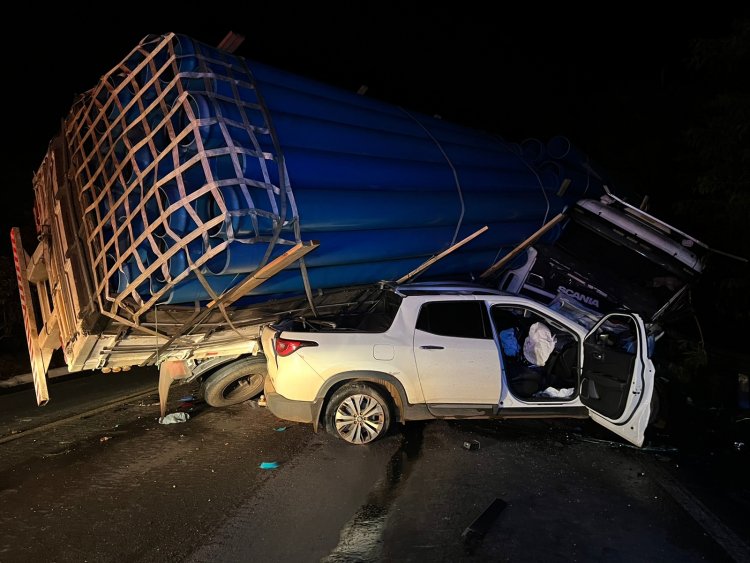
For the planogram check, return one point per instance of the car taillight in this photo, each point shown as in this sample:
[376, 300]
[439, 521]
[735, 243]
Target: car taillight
[286, 347]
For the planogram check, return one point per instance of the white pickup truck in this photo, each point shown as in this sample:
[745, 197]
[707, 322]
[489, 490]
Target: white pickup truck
[431, 351]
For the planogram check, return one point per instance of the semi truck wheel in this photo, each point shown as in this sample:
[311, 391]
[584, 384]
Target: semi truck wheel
[236, 382]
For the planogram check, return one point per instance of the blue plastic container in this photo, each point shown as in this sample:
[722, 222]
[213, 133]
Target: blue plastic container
[268, 153]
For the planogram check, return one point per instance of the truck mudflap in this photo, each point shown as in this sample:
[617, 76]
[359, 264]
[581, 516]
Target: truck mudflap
[39, 357]
[169, 371]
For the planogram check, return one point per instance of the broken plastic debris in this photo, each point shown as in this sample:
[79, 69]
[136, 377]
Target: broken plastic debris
[269, 465]
[280, 428]
[471, 445]
[174, 418]
[104, 438]
[262, 401]
[187, 398]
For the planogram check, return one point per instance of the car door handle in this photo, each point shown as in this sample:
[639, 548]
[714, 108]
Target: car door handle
[431, 347]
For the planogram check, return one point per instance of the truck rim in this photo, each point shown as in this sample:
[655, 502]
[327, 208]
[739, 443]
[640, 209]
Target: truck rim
[241, 386]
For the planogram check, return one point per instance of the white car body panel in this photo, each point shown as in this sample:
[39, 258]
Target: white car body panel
[457, 370]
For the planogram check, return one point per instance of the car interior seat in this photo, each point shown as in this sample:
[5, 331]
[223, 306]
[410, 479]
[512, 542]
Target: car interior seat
[561, 367]
[524, 379]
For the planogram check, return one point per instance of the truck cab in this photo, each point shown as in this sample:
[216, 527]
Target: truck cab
[610, 256]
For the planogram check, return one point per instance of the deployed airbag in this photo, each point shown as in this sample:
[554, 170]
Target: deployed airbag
[538, 344]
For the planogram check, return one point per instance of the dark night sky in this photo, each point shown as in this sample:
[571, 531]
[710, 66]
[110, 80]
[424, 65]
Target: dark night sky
[612, 81]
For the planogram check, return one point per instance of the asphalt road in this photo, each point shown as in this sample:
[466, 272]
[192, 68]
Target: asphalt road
[112, 484]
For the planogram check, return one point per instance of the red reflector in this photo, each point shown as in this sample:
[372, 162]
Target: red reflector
[286, 347]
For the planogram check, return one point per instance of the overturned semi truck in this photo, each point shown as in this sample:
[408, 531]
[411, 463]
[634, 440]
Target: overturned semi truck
[193, 196]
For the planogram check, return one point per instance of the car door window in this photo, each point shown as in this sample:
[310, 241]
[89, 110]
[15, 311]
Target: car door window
[461, 319]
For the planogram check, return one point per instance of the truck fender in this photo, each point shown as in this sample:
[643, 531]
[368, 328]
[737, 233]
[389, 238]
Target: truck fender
[203, 367]
[385, 381]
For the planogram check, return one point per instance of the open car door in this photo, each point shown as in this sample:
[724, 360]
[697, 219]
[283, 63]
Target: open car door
[617, 380]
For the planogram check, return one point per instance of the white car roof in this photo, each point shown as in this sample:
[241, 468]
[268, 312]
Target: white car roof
[446, 288]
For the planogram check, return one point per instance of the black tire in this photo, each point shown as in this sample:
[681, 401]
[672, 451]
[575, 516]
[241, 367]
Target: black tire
[358, 414]
[236, 382]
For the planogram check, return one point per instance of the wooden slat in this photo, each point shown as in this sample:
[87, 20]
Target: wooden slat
[518, 249]
[264, 273]
[444, 253]
[39, 358]
[231, 42]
